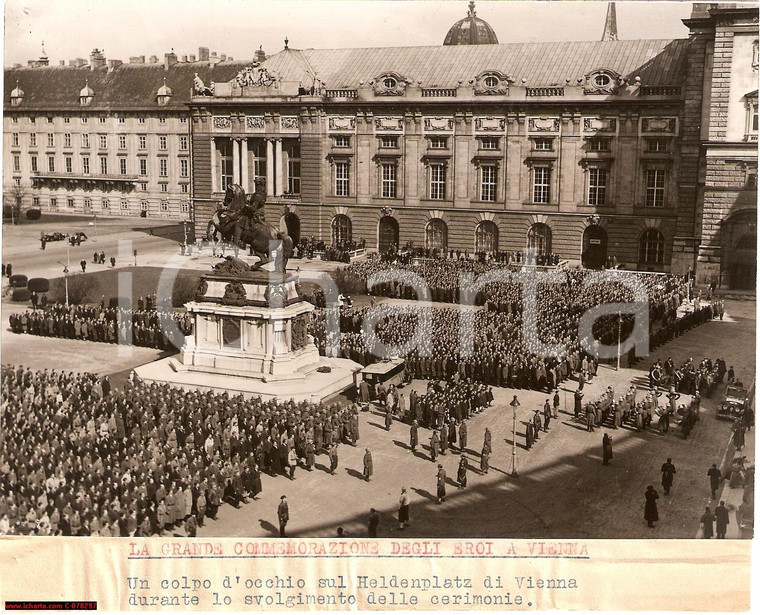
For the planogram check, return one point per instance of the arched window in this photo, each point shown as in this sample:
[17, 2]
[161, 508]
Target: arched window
[540, 238]
[437, 234]
[651, 247]
[487, 237]
[341, 230]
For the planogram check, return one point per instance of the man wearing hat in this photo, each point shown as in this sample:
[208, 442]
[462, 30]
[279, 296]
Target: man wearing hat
[403, 509]
[283, 514]
[441, 484]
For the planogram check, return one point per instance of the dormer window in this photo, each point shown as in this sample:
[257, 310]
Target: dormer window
[17, 96]
[86, 95]
[602, 80]
[490, 81]
[164, 95]
[389, 82]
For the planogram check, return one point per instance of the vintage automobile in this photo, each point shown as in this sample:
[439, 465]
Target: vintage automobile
[734, 402]
[57, 236]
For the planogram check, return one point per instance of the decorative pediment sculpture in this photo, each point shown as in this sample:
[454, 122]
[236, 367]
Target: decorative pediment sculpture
[491, 82]
[200, 89]
[602, 81]
[255, 75]
[389, 84]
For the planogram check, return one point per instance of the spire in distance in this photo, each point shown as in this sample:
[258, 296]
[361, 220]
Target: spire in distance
[610, 24]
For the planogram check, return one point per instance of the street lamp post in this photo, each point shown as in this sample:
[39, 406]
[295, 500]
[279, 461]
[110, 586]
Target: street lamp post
[515, 405]
[620, 327]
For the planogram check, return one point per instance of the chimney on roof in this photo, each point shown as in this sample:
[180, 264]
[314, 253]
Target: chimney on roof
[80, 62]
[223, 57]
[154, 59]
[203, 54]
[43, 61]
[61, 62]
[97, 59]
[112, 64]
[610, 24]
[17, 65]
[169, 59]
[260, 55]
[31, 63]
[191, 58]
[214, 59]
[184, 58]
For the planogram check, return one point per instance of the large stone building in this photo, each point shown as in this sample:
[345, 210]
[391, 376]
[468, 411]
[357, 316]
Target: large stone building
[725, 38]
[586, 149]
[103, 137]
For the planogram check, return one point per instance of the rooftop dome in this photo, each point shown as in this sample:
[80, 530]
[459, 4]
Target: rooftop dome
[471, 31]
[164, 90]
[86, 91]
[17, 92]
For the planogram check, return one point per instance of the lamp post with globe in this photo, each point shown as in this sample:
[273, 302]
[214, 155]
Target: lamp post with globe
[515, 405]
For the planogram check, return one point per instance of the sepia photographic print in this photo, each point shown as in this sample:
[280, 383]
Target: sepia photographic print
[373, 305]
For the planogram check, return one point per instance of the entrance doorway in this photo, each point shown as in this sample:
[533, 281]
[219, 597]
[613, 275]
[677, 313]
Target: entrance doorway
[742, 266]
[594, 254]
[387, 234]
[293, 227]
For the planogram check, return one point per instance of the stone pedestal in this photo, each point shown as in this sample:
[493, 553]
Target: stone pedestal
[249, 335]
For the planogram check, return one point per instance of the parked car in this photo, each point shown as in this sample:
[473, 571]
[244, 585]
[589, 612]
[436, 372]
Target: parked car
[54, 236]
[733, 404]
[77, 238]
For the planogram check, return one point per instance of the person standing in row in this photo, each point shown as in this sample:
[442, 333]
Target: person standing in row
[441, 484]
[333, 455]
[555, 403]
[547, 415]
[403, 509]
[434, 444]
[721, 520]
[650, 506]
[485, 457]
[413, 437]
[367, 464]
[283, 514]
[462, 472]
[463, 436]
[715, 478]
[707, 520]
[668, 472]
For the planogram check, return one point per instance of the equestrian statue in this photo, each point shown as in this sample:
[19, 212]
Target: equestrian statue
[241, 221]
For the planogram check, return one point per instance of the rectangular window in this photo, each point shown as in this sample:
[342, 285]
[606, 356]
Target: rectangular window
[185, 207]
[104, 204]
[142, 142]
[597, 186]
[103, 165]
[143, 205]
[655, 188]
[36, 201]
[14, 140]
[143, 187]
[143, 166]
[124, 204]
[87, 204]
[50, 119]
[33, 139]
[491, 143]
[70, 203]
[184, 166]
[54, 203]
[341, 179]
[389, 142]
[86, 165]
[67, 139]
[658, 145]
[543, 144]
[84, 120]
[51, 164]
[164, 187]
[294, 176]
[122, 141]
[388, 186]
[51, 139]
[183, 188]
[541, 177]
[437, 181]
[439, 142]
[342, 141]
[162, 120]
[183, 143]
[14, 120]
[162, 142]
[85, 140]
[103, 141]
[33, 161]
[164, 206]
[598, 145]
[183, 120]
[69, 162]
[102, 120]
[67, 120]
[163, 167]
[32, 120]
[122, 166]
[488, 183]
[141, 120]
[16, 163]
[225, 155]
[122, 120]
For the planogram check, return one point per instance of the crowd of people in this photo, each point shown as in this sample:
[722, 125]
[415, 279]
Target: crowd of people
[405, 254]
[82, 459]
[141, 327]
[309, 247]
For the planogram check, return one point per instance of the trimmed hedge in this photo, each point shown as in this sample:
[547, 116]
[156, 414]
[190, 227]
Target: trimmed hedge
[18, 280]
[20, 294]
[33, 214]
[38, 285]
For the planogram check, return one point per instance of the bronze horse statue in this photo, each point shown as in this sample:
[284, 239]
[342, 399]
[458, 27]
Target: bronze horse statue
[238, 220]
